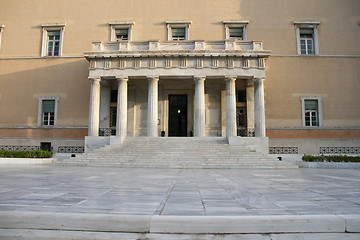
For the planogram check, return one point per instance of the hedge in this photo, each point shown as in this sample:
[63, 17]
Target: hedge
[25, 154]
[322, 158]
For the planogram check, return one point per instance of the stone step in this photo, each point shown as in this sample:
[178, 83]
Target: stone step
[176, 153]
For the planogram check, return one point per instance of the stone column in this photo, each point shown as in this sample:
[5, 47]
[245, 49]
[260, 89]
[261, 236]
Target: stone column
[94, 112]
[152, 114]
[199, 106]
[231, 130]
[259, 107]
[121, 115]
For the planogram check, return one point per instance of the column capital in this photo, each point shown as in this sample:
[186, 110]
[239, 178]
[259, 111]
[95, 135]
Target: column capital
[121, 78]
[199, 78]
[156, 78]
[95, 79]
[230, 78]
[258, 79]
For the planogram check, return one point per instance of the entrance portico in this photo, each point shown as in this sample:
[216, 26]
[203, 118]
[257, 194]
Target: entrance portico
[144, 76]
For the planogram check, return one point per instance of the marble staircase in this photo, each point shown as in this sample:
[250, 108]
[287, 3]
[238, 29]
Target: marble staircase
[176, 152]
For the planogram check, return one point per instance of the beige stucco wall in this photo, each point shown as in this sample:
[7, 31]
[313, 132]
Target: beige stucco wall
[334, 78]
[22, 82]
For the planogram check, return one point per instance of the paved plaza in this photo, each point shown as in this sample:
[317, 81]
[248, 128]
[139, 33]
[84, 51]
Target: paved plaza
[208, 193]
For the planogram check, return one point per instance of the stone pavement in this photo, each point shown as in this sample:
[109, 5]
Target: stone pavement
[35, 199]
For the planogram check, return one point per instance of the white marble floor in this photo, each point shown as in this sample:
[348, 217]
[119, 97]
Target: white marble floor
[190, 192]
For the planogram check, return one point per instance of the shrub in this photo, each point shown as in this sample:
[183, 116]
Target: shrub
[334, 158]
[25, 154]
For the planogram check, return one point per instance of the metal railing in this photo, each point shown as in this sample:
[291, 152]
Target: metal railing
[249, 132]
[107, 131]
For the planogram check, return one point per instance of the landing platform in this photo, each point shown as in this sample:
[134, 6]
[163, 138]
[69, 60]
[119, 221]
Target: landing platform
[56, 202]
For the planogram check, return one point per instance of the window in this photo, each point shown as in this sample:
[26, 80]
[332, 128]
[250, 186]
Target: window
[1, 30]
[53, 43]
[178, 30]
[47, 111]
[52, 39]
[307, 41]
[311, 108]
[121, 31]
[235, 30]
[307, 37]
[178, 34]
[241, 96]
[236, 33]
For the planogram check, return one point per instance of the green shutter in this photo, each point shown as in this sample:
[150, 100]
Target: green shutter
[178, 32]
[48, 106]
[123, 31]
[311, 104]
[236, 32]
[306, 31]
[54, 33]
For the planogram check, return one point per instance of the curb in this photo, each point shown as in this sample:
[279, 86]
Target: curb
[26, 161]
[181, 224]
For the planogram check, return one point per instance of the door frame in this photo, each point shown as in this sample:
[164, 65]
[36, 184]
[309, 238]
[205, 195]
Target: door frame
[190, 110]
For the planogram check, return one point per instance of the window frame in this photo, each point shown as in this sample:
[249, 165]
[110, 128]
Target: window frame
[121, 25]
[40, 111]
[313, 25]
[50, 27]
[236, 24]
[177, 24]
[304, 111]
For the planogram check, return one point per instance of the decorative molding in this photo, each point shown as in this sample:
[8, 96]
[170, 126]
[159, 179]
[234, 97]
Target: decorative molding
[309, 22]
[18, 148]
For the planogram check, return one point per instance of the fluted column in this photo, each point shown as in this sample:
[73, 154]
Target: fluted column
[94, 112]
[259, 107]
[152, 114]
[231, 130]
[121, 115]
[199, 106]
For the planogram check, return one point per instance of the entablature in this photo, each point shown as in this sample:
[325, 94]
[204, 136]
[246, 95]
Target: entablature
[229, 57]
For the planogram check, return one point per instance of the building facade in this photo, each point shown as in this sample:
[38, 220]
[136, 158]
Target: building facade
[283, 71]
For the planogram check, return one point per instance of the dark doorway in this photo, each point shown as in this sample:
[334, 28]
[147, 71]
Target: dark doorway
[177, 115]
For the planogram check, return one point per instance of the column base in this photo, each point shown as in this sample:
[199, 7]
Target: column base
[258, 144]
[92, 143]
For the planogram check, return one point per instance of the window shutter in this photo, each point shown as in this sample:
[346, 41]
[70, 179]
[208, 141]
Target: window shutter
[306, 31]
[53, 33]
[311, 104]
[178, 32]
[48, 106]
[236, 32]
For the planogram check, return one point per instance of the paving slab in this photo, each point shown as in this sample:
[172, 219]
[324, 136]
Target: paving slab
[150, 200]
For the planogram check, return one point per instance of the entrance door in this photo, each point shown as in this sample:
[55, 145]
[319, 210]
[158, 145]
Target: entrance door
[177, 115]
[241, 121]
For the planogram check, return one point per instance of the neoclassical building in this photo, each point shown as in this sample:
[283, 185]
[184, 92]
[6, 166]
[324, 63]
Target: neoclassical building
[284, 75]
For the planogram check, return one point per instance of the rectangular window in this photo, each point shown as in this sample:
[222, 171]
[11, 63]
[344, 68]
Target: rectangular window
[307, 41]
[122, 34]
[307, 37]
[178, 34]
[48, 112]
[311, 113]
[53, 43]
[52, 39]
[236, 33]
